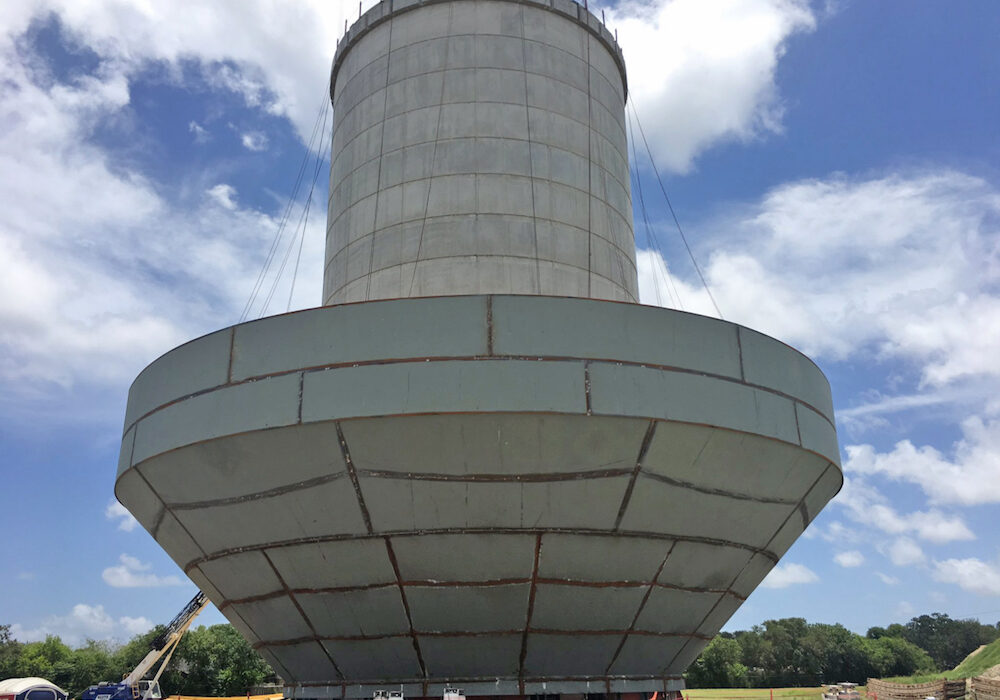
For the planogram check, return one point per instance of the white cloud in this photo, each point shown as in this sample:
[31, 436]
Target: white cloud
[887, 579]
[837, 532]
[116, 511]
[201, 134]
[785, 575]
[971, 575]
[91, 288]
[971, 476]
[903, 551]
[276, 56]
[223, 195]
[849, 559]
[900, 267]
[866, 505]
[254, 140]
[903, 610]
[704, 72]
[132, 573]
[134, 625]
[83, 622]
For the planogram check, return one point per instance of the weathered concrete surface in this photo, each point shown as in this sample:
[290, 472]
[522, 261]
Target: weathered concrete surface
[479, 147]
[479, 490]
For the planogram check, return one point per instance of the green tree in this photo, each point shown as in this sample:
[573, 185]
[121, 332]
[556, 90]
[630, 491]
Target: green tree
[947, 641]
[837, 653]
[718, 666]
[89, 664]
[48, 659]
[10, 653]
[793, 662]
[214, 660]
[903, 658]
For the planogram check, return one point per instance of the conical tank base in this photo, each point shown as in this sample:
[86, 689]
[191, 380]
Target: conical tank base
[514, 494]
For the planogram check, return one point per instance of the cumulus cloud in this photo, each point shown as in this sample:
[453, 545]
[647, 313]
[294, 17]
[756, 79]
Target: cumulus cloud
[254, 140]
[90, 287]
[785, 575]
[849, 559]
[201, 134]
[132, 573]
[276, 56]
[887, 579]
[223, 195]
[81, 623]
[972, 575]
[116, 511]
[903, 551]
[705, 70]
[896, 267]
[866, 505]
[837, 532]
[53, 278]
[971, 475]
[701, 73]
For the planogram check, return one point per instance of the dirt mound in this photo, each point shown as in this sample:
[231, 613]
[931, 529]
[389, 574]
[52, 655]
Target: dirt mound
[992, 672]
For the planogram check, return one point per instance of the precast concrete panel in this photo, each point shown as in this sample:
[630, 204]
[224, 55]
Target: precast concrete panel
[479, 147]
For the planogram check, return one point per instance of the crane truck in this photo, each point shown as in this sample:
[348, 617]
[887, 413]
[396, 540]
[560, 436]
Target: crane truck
[133, 686]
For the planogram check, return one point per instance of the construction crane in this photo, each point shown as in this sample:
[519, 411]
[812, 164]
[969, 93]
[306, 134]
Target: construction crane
[133, 686]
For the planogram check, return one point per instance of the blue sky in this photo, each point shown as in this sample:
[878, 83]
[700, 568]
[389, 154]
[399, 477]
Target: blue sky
[834, 164]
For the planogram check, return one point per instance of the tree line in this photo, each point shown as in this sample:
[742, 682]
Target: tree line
[214, 660]
[792, 652]
[218, 661]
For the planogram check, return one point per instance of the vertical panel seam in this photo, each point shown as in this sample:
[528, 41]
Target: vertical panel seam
[305, 618]
[352, 472]
[489, 326]
[642, 604]
[531, 163]
[590, 183]
[381, 158]
[406, 605]
[434, 150]
[527, 619]
[739, 350]
[647, 439]
[232, 345]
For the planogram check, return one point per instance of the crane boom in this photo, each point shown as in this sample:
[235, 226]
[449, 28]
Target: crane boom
[171, 636]
[132, 686]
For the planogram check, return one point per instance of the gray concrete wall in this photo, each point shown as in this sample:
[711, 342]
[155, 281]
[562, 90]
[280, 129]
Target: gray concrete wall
[479, 147]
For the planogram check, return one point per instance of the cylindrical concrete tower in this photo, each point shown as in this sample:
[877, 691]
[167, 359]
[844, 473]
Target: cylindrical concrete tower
[519, 482]
[479, 147]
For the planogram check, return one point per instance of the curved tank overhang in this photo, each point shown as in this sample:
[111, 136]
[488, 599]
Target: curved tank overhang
[502, 492]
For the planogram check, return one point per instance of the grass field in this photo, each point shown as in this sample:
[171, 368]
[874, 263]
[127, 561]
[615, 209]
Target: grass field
[754, 693]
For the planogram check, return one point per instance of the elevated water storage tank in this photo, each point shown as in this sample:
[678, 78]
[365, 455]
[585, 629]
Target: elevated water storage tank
[481, 464]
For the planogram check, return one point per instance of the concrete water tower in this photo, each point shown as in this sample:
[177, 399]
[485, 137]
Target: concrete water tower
[481, 463]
